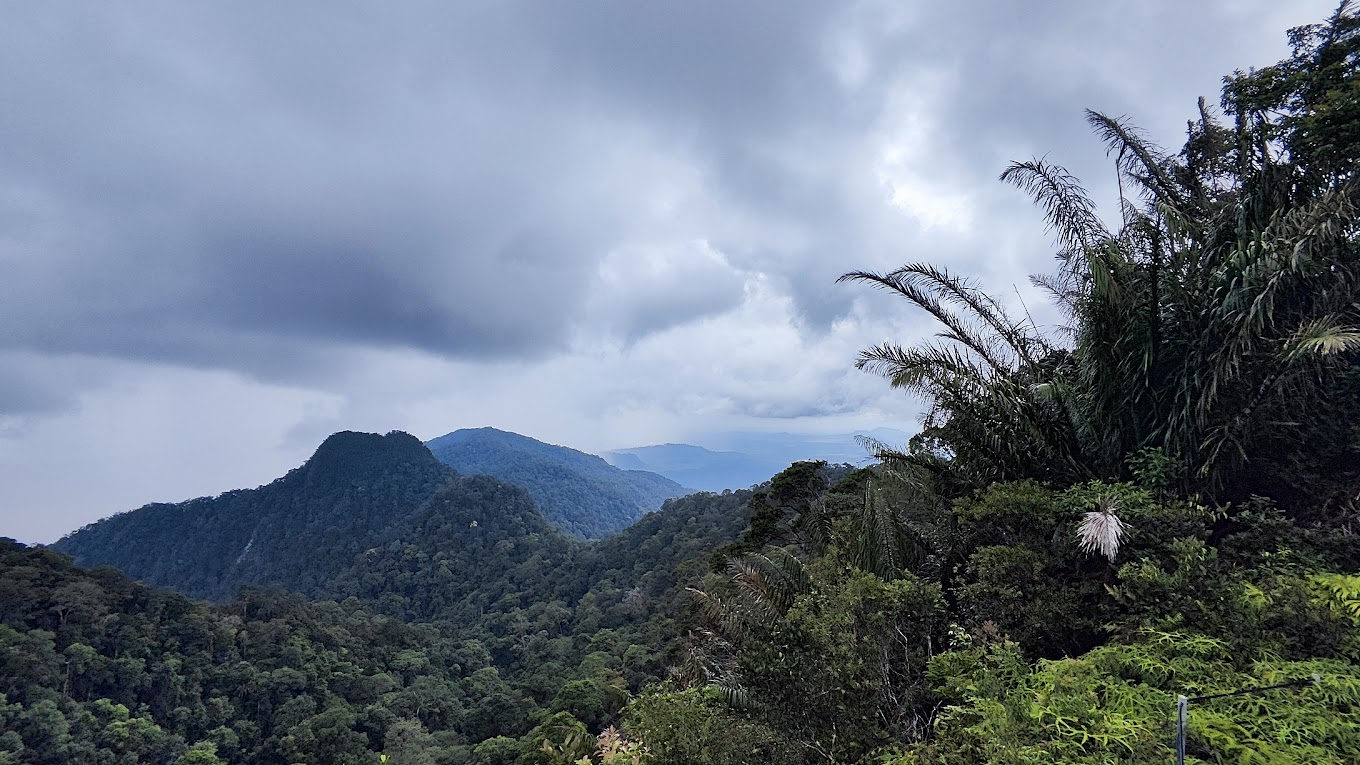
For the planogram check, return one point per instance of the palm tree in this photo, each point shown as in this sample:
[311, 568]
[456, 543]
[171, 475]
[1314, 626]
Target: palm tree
[993, 408]
[1219, 322]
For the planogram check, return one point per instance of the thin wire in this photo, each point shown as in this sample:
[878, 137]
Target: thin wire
[1245, 691]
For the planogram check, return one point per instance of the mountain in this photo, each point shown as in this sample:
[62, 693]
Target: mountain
[581, 493]
[355, 492]
[736, 460]
[527, 623]
[477, 544]
[530, 623]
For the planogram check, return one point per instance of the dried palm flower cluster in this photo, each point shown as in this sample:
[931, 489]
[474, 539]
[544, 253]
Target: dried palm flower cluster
[1101, 530]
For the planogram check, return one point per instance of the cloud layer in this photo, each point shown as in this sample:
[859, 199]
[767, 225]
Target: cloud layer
[601, 223]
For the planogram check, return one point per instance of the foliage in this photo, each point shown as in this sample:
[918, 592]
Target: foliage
[1114, 704]
[1210, 356]
[530, 623]
[97, 669]
[696, 727]
[612, 748]
[1217, 324]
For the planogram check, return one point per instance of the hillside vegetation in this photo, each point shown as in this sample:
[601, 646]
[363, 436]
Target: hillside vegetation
[523, 623]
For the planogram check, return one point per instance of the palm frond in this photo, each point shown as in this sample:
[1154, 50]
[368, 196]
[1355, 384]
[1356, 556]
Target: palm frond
[1322, 337]
[883, 544]
[958, 329]
[1136, 156]
[1069, 211]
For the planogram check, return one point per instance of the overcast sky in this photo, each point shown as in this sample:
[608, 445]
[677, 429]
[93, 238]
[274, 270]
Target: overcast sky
[228, 230]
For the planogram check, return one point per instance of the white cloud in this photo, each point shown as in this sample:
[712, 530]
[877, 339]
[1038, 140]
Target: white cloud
[149, 433]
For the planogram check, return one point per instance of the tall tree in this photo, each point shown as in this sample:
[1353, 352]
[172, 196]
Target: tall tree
[1217, 325]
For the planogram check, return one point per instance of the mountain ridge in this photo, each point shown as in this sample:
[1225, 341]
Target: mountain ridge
[294, 532]
[582, 493]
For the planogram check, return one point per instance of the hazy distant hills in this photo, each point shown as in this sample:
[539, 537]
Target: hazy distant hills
[581, 493]
[696, 466]
[739, 460]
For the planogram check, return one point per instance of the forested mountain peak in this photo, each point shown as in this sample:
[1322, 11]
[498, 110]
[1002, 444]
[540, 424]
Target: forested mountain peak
[355, 455]
[534, 631]
[355, 492]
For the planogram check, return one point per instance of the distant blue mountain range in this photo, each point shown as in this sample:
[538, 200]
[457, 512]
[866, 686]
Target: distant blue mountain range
[739, 460]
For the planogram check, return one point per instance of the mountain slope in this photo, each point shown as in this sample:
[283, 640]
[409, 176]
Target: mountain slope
[581, 493]
[296, 532]
[477, 543]
[95, 668]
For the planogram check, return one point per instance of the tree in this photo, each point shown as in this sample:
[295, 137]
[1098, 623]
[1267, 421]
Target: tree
[1217, 323]
[202, 753]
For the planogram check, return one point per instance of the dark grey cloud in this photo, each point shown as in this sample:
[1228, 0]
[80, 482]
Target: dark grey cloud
[414, 176]
[225, 185]
[548, 213]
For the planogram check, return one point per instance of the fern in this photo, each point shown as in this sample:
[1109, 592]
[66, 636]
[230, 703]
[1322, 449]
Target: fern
[1340, 593]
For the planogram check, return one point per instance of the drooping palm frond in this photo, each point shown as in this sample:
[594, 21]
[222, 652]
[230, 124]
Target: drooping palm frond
[813, 525]
[978, 377]
[943, 375]
[1022, 343]
[764, 587]
[1322, 337]
[735, 695]
[1219, 323]
[958, 329]
[706, 658]
[728, 618]
[1068, 210]
[772, 579]
[879, 450]
[1137, 158]
[1062, 292]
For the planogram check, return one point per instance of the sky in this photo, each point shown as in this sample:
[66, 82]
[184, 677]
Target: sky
[228, 230]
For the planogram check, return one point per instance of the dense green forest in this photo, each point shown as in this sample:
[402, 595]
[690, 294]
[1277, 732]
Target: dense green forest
[525, 628]
[1158, 498]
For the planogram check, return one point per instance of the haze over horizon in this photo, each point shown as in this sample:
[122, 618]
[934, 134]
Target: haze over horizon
[229, 231]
